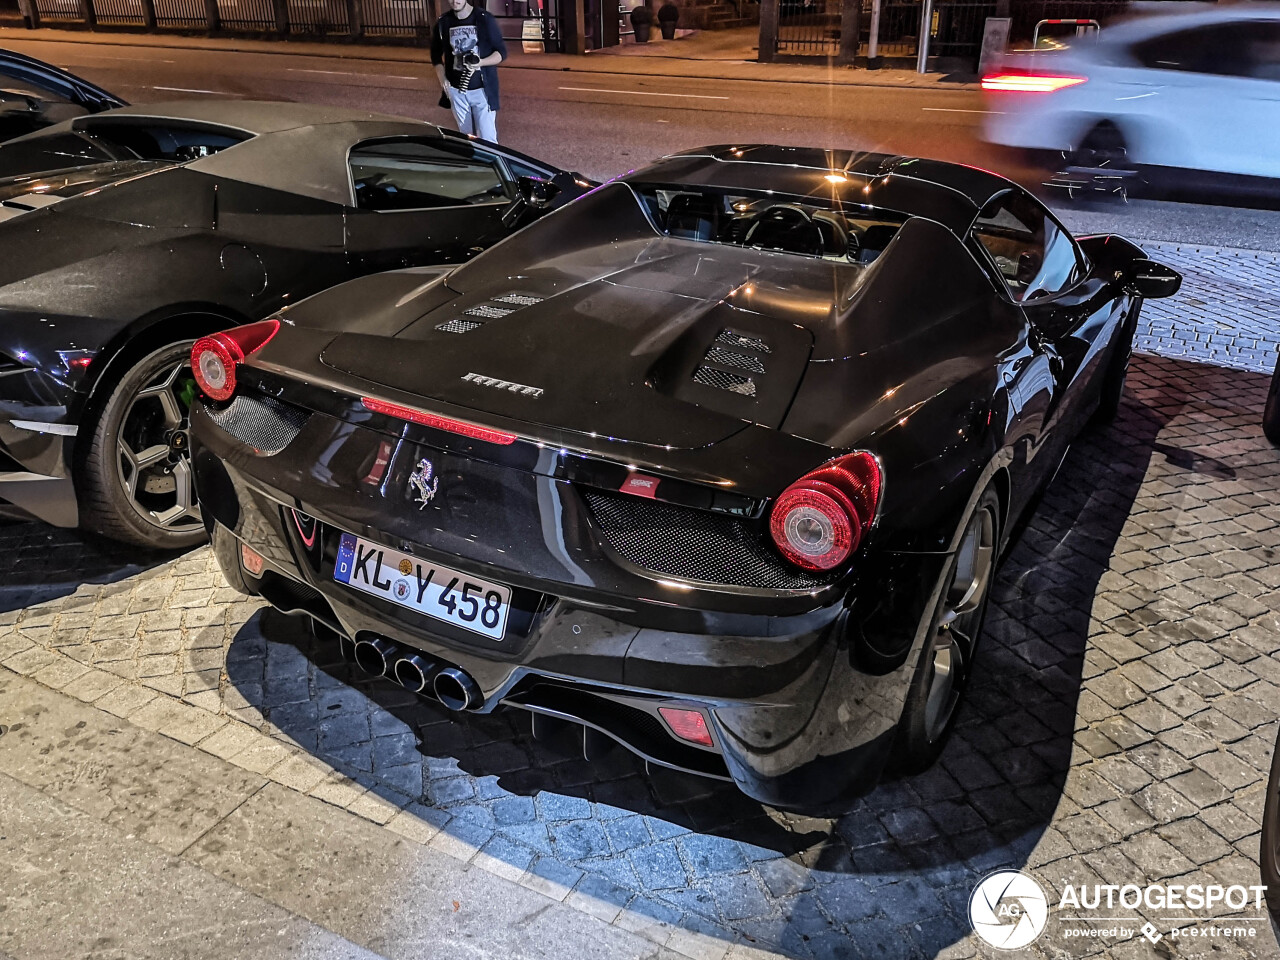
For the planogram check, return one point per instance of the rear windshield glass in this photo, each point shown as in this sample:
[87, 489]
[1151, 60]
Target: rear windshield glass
[808, 226]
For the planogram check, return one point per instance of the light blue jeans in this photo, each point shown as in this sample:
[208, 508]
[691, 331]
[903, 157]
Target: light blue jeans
[471, 111]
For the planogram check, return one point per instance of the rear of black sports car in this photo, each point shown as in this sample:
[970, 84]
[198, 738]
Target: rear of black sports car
[595, 541]
[591, 475]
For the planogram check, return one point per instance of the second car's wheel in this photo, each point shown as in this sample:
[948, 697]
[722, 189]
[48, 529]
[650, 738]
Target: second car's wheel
[1271, 412]
[951, 640]
[1105, 153]
[135, 478]
[1271, 836]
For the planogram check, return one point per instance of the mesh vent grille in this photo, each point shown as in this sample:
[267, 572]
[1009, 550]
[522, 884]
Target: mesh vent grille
[729, 358]
[693, 544]
[518, 299]
[458, 325]
[264, 424]
[724, 380]
[743, 340]
[488, 311]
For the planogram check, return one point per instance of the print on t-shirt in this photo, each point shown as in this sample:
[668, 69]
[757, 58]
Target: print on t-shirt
[463, 40]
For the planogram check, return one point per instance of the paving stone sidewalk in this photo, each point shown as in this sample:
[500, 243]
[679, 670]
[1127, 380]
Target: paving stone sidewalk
[1118, 731]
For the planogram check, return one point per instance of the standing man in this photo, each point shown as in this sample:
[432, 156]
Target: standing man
[466, 48]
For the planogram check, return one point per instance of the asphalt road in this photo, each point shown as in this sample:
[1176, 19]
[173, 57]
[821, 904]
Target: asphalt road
[605, 124]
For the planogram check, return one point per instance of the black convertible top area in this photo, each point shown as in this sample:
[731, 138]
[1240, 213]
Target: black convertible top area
[949, 193]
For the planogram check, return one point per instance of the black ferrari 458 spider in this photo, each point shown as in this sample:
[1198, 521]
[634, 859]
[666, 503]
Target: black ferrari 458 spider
[717, 460]
[130, 233]
[34, 94]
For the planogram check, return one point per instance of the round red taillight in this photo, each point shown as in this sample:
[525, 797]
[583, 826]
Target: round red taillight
[214, 358]
[819, 520]
[213, 362]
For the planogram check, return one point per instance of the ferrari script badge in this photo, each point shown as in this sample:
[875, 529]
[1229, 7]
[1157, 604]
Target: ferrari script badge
[422, 483]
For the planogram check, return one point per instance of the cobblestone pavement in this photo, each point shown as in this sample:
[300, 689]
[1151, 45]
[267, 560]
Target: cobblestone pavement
[1118, 730]
[1225, 313]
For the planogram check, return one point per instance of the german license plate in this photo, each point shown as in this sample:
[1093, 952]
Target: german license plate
[458, 598]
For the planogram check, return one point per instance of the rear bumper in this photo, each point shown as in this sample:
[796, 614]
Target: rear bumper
[802, 707]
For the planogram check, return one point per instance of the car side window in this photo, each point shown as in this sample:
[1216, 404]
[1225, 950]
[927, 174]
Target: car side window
[1036, 257]
[1224, 50]
[416, 175]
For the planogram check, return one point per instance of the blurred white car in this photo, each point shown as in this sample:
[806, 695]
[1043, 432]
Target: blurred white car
[1153, 97]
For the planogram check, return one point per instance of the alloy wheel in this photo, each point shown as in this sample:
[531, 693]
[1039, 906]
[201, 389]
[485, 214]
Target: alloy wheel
[955, 637]
[153, 450]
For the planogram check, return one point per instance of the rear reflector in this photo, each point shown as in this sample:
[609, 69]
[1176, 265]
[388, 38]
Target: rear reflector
[460, 427]
[251, 559]
[688, 725]
[1011, 82]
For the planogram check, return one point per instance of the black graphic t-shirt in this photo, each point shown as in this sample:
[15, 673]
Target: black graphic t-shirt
[457, 38]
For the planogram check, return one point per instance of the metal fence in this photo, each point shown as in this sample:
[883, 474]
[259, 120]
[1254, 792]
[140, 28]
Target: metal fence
[406, 21]
[811, 28]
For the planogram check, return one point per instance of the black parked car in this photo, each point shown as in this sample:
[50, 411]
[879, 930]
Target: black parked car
[1270, 854]
[34, 94]
[717, 461]
[130, 233]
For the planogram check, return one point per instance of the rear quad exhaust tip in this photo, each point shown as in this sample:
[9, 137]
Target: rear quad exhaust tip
[375, 656]
[456, 690]
[415, 673]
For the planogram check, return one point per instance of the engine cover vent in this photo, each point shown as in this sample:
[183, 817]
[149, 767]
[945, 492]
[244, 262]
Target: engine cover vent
[739, 361]
[518, 299]
[488, 311]
[725, 380]
[459, 325]
[735, 339]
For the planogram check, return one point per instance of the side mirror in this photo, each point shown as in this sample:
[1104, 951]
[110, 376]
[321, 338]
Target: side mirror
[538, 193]
[1151, 280]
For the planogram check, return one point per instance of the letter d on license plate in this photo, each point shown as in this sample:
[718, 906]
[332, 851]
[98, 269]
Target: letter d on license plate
[458, 598]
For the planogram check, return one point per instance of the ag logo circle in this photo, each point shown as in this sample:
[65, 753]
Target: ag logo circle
[1008, 910]
[402, 589]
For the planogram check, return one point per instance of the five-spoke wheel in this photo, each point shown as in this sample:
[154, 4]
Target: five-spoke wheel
[136, 479]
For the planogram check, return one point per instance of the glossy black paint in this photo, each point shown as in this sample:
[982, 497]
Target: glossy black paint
[1270, 849]
[129, 238]
[35, 94]
[922, 358]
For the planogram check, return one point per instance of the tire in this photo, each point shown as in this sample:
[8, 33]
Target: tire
[1271, 412]
[134, 480]
[954, 628]
[1270, 854]
[1105, 150]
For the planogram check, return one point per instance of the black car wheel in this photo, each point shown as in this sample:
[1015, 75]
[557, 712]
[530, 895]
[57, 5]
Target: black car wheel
[955, 625]
[1271, 412]
[1271, 837]
[136, 483]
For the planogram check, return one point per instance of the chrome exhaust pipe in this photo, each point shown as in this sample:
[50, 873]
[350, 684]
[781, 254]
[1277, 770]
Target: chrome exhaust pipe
[456, 690]
[415, 673]
[375, 656]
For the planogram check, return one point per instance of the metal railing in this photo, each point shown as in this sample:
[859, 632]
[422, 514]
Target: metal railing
[525, 22]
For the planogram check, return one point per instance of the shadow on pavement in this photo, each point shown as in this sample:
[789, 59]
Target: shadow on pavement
[896, 872]
[44, 563]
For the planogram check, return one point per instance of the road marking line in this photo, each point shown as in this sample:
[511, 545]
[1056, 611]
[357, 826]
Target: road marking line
[216, 93]
[351, 73]
[104, 56]
[645, 93]
[958, 110]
